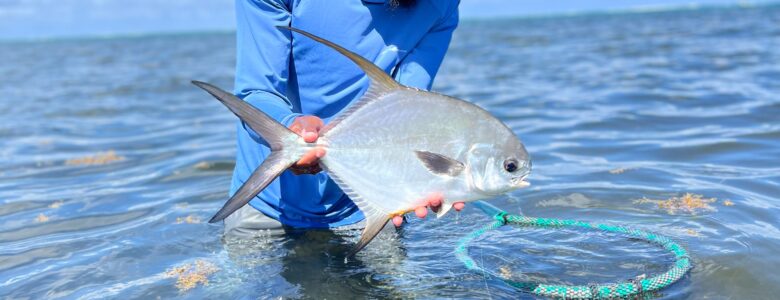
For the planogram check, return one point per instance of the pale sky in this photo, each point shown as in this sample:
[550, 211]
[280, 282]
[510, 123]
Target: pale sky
[33, 19]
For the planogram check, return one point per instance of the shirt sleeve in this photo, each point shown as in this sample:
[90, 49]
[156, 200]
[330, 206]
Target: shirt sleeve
[263, 57]
[419, 67]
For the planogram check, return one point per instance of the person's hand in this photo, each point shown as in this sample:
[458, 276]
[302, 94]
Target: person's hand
[309, 128]
[434, 201]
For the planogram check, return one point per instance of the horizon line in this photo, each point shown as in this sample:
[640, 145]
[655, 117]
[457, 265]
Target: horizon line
[646, 9]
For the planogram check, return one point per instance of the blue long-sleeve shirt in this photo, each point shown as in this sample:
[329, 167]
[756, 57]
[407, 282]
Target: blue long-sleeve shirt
[287, 75]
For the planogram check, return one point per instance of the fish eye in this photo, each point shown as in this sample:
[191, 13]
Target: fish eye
[510, 165]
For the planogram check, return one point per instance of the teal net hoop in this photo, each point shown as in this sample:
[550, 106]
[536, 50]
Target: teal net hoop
[623, 289]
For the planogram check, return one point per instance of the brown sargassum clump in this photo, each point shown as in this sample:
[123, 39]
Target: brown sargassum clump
[55, 204]
[41, 218]
[687, 204]
[100, 158]
[191, 219]
[190, 275]
[619, 170]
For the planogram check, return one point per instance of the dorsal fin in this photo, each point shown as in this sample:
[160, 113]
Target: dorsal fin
[377, 75]
[379, 82]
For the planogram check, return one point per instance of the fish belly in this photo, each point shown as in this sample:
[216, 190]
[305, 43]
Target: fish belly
[371, 154]
[391, 179]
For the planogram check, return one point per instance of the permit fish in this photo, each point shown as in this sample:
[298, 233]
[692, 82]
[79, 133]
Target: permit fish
[391, 149]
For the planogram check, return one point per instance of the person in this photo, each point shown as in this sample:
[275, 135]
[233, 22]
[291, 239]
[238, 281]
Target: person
[303, 84]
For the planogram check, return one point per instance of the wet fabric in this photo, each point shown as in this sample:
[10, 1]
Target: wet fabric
[286, 76]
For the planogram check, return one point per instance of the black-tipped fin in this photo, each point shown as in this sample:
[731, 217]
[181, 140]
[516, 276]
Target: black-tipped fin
[271, 168]
[374, 225]
[439, 164]
[277, 136]
[377, 75]
[271, 131]
[380, 83]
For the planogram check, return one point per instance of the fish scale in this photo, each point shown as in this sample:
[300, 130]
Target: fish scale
[392, 149]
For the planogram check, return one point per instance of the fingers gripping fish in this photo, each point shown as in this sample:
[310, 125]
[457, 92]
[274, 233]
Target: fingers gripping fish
[436, 144]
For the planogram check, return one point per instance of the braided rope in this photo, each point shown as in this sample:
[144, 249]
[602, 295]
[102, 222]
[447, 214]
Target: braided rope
[628, 288]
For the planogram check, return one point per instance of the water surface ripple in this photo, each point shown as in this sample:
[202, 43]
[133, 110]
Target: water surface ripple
[619, 113]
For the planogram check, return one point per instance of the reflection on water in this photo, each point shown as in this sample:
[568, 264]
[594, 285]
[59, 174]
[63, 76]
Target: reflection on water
[110, 161]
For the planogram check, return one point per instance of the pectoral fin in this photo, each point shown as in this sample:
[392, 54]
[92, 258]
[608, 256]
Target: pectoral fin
[439, 164]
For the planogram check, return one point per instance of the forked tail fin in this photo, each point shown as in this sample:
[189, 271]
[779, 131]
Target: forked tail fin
[282, 141]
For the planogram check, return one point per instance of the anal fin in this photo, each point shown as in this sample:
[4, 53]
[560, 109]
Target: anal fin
[374, 225]
[375, 218]
[445, 207]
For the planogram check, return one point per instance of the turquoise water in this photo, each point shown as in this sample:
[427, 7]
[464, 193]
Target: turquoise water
[619, 112]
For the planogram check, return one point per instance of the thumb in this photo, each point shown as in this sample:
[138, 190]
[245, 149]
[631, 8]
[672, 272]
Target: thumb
[309, 135]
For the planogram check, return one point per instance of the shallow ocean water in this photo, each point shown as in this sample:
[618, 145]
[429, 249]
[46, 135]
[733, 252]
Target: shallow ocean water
[619, 112]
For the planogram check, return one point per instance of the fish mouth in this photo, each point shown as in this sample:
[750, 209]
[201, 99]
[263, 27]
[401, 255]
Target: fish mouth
[520, 182]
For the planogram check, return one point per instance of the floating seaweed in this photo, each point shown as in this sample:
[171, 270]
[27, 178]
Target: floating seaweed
[688, 203]
[203, 165]
[100, 158]
[692, 232]
[191, 219]
[619, 170]
[505, 272]
[41, 218]
[728, 203]
[190, 275]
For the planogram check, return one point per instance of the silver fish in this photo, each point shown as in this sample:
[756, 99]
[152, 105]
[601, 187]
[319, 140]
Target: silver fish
[391, 149]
